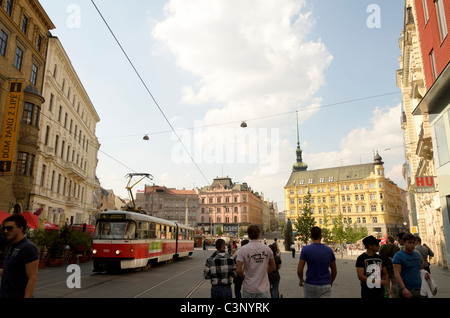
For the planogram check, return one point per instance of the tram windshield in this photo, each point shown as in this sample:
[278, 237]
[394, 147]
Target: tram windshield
[107, 230]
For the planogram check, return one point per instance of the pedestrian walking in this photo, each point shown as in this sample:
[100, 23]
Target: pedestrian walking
[425, 252]
[371, 270]
[319, 259]
[19, 273]
[275, 243]
[293, 250]
[254, 261]
[407, 265]
[220, 267]
[237, 280]
[387, 251]
[400, 240]
[274, 276]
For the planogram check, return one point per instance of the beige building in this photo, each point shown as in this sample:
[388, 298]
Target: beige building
[24, 32]
[360, 193]
[65, 186]
[425, 219]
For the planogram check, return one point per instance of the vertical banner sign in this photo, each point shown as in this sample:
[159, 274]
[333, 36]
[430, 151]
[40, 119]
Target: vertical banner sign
[10, 124]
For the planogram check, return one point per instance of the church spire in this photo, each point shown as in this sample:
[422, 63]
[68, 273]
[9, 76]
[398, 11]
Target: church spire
[299, 165]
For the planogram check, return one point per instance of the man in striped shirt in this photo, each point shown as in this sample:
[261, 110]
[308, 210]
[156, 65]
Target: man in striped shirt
[220, 268]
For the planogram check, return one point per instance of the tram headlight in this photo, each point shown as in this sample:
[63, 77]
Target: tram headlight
[118, 252]
[94, 251]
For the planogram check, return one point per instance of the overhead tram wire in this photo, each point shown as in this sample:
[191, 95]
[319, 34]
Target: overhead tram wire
[272, 115]
[148, 90]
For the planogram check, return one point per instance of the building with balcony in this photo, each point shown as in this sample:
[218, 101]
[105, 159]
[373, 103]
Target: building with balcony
[65, 186]
[24, 32]
[431, 20]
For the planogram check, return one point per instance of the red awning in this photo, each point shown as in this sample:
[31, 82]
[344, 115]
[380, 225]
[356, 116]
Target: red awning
[32, 220]
[3, 215]
[50, 226]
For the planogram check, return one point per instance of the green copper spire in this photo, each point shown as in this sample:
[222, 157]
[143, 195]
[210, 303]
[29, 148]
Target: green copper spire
[299, 165]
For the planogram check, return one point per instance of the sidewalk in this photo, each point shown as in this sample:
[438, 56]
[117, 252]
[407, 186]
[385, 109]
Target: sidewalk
[346, 284]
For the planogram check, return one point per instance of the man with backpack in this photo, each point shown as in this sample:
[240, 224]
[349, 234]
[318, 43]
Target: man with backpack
[387, 251]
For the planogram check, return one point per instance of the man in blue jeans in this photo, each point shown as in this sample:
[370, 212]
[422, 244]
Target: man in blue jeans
[319, 259]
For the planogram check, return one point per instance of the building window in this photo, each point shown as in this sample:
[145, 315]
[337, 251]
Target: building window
[44, 168]
[18, 59]
[441, 142]
[3, 41]
[31, 114]
[433, 65]
[25, 164]
[24, 25]
[330, 179]
[9, 5]
[39, 42]
[21, 163]
[441, 18]
[425, 11]
[27, 113]
[34, 72]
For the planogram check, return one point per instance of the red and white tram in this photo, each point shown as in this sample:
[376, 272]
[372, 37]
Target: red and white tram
[127, 240]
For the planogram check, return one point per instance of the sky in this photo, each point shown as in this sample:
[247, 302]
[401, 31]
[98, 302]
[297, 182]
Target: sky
[187, 73]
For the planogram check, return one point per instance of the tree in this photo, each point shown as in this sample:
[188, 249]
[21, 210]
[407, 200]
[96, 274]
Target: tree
[305, 221]
[326, 232]
[354, 232]
[339, 232]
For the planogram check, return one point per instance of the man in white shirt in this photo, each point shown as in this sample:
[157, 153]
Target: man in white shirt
[254, 261]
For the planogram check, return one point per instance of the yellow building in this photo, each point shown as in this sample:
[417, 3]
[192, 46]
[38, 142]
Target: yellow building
[24, 31]
[361, 193]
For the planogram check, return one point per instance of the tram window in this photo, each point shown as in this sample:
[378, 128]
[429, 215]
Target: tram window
[143, 230]
[170, 232]
[152, 231]
[131, 230]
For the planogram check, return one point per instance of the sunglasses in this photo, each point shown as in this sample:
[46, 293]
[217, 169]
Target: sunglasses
[8, 228]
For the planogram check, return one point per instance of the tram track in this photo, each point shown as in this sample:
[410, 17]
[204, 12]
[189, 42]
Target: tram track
[91, 282]
[171, 278]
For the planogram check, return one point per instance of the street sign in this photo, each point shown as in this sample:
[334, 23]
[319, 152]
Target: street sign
[10, 126]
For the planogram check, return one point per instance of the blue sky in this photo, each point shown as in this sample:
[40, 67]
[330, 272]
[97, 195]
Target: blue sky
[211, 64]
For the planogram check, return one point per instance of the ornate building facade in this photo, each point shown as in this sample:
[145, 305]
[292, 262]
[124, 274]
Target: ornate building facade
[426, 219]
[228, 205]
[360, 193]
[24, 32]
[66, 187]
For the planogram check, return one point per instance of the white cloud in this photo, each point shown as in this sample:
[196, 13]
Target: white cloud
[383, 135]
[250, 56]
